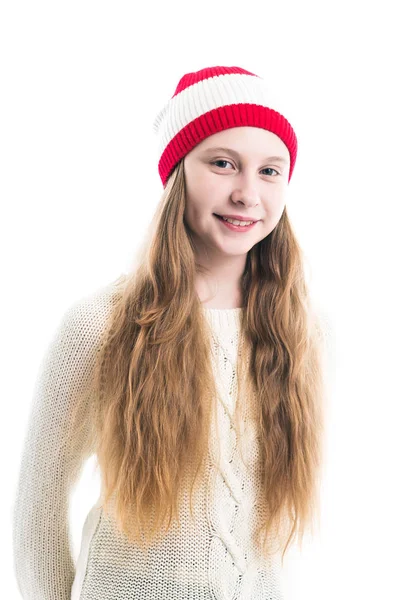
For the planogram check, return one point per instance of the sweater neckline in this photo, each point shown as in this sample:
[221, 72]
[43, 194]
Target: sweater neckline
[223, 318]
[222, 309]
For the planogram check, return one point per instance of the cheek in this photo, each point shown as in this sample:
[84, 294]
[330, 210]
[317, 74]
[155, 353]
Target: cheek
[275, 203]
[274, 213]
[202, 197]
[195, 211]
[201, 188]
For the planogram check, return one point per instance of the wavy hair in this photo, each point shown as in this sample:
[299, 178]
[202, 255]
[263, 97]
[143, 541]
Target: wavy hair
[154, 409]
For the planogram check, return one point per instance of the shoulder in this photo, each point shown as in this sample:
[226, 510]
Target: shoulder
[321, 319]
[83, 322]
[326, 328]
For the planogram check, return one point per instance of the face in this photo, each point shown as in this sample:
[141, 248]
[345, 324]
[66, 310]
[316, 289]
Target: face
[240, 179]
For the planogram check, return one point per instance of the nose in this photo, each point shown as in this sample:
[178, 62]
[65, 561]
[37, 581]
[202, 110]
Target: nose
[245, 191]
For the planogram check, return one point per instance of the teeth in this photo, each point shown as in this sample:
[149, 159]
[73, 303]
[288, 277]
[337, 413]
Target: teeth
[235, 222]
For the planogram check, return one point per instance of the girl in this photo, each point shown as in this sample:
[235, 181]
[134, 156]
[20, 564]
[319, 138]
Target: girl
[196, 379]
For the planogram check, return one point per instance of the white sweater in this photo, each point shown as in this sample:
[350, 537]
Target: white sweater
[211, 558]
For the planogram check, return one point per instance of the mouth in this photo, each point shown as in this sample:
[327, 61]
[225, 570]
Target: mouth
[233, 227]
[236, 219]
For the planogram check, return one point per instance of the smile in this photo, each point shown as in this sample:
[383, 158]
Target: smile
[234, 226]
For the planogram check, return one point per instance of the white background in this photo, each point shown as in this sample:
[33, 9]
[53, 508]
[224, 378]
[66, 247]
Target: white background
[81, 83]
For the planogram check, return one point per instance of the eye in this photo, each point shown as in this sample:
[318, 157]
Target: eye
[220, 161]
[271, 169]
[229, 163]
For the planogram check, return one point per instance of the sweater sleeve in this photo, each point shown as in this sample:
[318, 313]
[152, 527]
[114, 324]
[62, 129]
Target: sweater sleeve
[53, 455]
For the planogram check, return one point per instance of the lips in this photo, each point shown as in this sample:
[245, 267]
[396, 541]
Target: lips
[236, 218]
[238, 228]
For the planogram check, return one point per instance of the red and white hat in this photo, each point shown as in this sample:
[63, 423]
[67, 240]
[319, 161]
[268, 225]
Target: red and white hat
[211, 100]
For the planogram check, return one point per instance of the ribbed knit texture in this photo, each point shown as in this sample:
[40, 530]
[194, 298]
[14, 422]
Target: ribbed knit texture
[211, 100]
[212, 558]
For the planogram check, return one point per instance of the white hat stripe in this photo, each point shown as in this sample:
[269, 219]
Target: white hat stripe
[207, 95]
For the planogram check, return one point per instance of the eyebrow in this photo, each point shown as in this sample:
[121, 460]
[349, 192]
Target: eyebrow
[237, 155]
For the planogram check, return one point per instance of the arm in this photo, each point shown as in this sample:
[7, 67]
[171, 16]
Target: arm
[53, 455]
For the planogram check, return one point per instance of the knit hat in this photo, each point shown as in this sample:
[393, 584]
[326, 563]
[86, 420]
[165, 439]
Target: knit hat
[211, 100]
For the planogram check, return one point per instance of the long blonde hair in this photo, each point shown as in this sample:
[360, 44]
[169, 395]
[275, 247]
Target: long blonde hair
[155, 387]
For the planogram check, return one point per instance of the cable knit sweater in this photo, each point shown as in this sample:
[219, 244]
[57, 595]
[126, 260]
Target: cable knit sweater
[211, 558]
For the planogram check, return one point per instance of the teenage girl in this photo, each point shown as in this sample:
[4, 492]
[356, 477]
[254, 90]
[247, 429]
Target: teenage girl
[196, 379]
